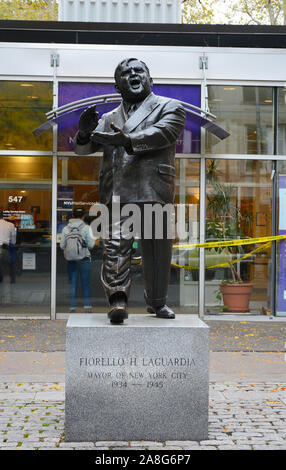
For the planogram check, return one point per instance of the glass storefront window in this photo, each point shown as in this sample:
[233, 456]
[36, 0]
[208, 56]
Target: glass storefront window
[281, 246]
[78, 187]
[25, 202]
[247, 113]
[239, 198]
[25, 169]
[23, 107]
[189, 141]
[187, 194]
[281, 121]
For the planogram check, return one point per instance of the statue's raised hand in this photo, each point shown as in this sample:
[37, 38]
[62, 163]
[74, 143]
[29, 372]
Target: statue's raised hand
[88, 121]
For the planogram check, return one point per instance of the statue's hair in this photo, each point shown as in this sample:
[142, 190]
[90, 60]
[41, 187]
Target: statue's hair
[126, 62]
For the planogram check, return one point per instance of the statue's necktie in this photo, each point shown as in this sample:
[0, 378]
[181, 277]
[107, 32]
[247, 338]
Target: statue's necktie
[131, 110]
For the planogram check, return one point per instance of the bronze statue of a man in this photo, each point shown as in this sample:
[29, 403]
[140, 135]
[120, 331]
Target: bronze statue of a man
[138, 140]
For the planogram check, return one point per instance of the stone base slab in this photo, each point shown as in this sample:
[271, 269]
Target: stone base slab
[147, 379]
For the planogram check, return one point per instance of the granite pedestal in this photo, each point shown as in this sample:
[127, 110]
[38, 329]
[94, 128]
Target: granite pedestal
[147, 379]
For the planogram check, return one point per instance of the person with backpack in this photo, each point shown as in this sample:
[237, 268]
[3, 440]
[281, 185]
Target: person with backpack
[76, 241]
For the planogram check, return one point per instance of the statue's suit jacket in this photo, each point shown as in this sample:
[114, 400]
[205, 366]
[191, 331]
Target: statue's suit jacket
[147, 172]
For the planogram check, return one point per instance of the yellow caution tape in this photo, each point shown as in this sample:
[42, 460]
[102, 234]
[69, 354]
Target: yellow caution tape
[241, 241]
[222, 265]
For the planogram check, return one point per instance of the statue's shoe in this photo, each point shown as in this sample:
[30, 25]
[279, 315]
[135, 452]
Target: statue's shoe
[118, 312]
[161, 312]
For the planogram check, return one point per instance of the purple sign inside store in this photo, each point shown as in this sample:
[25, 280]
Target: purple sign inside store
[281, 291]
[69, 92]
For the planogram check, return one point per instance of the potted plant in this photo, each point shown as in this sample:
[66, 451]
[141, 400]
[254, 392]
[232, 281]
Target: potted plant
[224, 223]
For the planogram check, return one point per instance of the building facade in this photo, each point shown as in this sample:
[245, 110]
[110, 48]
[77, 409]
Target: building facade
[232, 189]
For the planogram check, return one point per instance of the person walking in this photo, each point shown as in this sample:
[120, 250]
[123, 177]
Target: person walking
[7, 239]
[76, 241]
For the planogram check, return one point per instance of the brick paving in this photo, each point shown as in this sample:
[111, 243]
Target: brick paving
[242, 416]
[247, 404]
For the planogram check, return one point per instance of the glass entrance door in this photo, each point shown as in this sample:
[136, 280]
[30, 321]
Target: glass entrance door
[185, 262]
[25, 235]
[239, 205]
[78, 188]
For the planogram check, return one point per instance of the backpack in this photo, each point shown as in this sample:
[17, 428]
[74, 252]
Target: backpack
[75, 248]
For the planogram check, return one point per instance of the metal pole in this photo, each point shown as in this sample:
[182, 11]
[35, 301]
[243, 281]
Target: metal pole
[274, 204]
[54, 64]
[202, 234]
[204, 104]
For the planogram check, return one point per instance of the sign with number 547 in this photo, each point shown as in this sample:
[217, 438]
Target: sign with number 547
[15, 198]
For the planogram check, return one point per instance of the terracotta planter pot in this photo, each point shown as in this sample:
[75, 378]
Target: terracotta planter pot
[236, 297]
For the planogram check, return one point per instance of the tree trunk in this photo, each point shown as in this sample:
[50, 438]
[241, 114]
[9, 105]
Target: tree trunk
[284, 11]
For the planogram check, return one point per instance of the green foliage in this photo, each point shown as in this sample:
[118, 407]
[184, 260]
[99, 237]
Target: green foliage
[37, 10]
[198, 11]
[22, 109]
[272, 12]
[224, 217]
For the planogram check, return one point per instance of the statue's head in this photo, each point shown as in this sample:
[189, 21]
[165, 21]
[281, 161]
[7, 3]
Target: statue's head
[132, 80]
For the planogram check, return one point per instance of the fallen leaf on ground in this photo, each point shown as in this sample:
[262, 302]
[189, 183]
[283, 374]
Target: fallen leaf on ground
[57, 387]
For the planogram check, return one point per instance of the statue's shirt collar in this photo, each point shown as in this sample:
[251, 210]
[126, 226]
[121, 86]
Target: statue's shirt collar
[132, 106]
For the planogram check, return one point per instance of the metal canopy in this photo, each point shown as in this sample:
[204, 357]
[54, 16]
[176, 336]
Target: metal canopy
[195, 114]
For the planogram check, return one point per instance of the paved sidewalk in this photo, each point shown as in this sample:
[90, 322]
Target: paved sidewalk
[227, 333]
[247, 404]
[241, 417]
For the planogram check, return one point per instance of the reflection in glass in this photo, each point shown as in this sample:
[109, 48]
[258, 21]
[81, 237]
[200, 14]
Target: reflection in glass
[239, 206]
[25, 199]
[281, 121]
[78, 187]
[247, 113]
[23, 107]
[187, 194]
[281, 246]
[68, 123]
[25, 169]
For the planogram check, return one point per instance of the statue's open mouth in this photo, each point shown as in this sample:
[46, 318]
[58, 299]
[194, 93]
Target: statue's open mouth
[135, 82]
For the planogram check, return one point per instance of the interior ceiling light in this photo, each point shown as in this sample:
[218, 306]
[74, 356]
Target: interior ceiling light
[26, 84]
[267, 101]
[229, 89]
